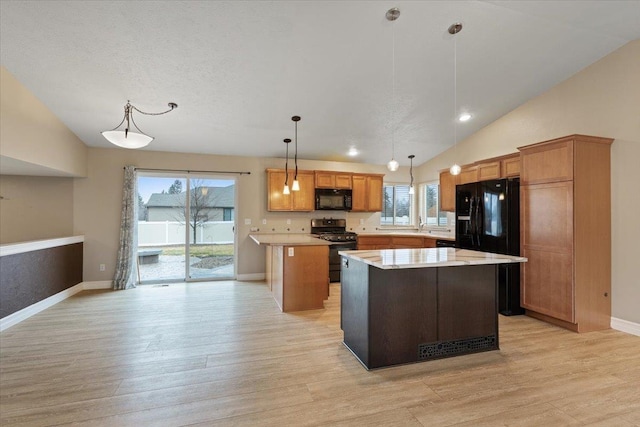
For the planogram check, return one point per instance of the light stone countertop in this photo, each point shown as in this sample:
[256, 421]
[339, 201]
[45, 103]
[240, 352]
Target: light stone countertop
[388, 259]
[288, 240]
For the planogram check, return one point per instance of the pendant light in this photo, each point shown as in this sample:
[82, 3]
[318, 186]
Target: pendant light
[128, 139]
[296, 184]
[411, 191]
[453, 30]
[285, 190]
[391, 15]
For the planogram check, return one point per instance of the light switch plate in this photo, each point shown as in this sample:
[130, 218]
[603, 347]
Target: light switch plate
[264, 221]
[247, 221]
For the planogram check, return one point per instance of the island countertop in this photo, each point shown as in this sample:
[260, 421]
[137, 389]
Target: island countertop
[288, 240]
[387, 259]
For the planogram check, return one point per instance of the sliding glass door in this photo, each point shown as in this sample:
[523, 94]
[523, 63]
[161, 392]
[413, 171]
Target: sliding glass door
[186, 227]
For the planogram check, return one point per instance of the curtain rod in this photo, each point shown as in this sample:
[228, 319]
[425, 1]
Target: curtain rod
[189, 171]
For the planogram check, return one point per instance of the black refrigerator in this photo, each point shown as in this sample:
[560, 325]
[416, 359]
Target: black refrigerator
[488, 220]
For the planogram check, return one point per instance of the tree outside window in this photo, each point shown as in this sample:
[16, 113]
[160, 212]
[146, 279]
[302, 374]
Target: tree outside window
[396, 209]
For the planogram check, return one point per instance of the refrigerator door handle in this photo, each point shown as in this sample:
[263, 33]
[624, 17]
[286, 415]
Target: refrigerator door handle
[479, 220]
[472, 229]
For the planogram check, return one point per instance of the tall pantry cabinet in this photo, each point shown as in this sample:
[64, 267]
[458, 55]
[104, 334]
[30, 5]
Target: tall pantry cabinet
[565, 226]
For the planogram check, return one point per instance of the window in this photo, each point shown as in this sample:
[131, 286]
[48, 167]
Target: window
[227, 214]
[396, 209]
[434, 216]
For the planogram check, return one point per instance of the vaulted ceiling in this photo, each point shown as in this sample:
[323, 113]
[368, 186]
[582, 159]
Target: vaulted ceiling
[240, 69]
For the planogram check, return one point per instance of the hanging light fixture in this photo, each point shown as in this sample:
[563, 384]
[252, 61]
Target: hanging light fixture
[453, 30]
[128, 139]
[411, 191]
[285, 190]
[391, 15]
[296, 184]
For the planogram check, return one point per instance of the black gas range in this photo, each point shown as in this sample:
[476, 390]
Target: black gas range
[334, 230]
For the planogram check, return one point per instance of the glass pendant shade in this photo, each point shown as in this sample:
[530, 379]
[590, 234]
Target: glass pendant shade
[295, 186]
[286, 189]
[393, 165]
[411, 191]
[127, 140]
[455, 169]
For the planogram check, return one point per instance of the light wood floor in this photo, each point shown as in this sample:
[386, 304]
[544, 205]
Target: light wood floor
[221, 353]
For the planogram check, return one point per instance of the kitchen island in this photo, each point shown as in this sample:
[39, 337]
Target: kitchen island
[410, 305]
[297, 270]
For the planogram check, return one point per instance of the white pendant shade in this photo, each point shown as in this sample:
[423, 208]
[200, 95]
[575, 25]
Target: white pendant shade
[393, 165]
[455, 169]
[295, 186]
[132, 140]
[411, 190]
[286, 189]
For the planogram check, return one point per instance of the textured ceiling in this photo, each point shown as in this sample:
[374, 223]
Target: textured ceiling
[240, 70]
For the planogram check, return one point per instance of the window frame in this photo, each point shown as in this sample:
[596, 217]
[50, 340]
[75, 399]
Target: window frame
[411, 207]
[424, 209]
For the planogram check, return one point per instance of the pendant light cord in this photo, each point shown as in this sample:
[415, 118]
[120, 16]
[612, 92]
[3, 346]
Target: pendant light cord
[393, 90]
[455, 95]
[286, 166]
[295, 178]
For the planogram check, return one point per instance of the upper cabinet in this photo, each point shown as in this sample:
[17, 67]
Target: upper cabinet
[447, 191]
[303, 200]
[367, 193]
[337, 180]
[495, 168]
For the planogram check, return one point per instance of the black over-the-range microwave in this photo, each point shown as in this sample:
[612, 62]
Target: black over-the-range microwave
[333, 200]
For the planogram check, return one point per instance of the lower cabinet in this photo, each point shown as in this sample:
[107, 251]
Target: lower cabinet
[395, 242]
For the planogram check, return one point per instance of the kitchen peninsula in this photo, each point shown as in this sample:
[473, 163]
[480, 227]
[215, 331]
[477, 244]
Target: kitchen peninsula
[297, 269]
[410, 305]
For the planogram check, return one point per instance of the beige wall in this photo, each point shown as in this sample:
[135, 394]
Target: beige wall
[601, 100]
[98, 201]
[32, 137]
[34, 208]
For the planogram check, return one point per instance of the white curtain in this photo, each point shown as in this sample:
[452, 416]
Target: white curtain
[127, 266]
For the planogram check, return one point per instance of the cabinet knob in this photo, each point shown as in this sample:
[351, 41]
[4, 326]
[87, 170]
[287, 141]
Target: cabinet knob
[606, 294]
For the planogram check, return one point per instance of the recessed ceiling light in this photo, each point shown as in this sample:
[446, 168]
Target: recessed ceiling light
[353, 152]
[464, 117]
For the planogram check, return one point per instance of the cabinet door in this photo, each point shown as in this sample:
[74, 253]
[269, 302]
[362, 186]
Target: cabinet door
[447, 191]
[374, 192]
[490, 170]
[276, 201]
[343, 181]
[511, 167]
[304, 200]
[325, 180]
[374, 242]
[549, 162]
[359, 194]
[429, 243]
[406, 242]
[547, 284]
[468, 174]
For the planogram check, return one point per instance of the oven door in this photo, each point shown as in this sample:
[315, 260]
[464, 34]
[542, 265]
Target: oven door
[334, 258]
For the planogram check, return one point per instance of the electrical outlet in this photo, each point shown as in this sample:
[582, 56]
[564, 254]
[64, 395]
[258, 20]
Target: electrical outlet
[247, 221]
[288, 221]
[361, 221]
[290, 251]
[264, 221]
[103, 267]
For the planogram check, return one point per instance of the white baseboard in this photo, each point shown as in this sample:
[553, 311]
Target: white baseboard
[25, 313]
[625, 326]
[101, 284]
[251, 277]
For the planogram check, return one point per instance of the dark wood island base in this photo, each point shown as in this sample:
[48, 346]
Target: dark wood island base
[397, 316]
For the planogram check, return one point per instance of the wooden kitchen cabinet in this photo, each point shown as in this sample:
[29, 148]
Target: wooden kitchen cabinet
[447, 191]
[333, 180]
[467, 174]
[510, 166]
[374, 242]
[303, 200]
[565, 231]
[394, 241]
[367, 193]
[489, 170]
